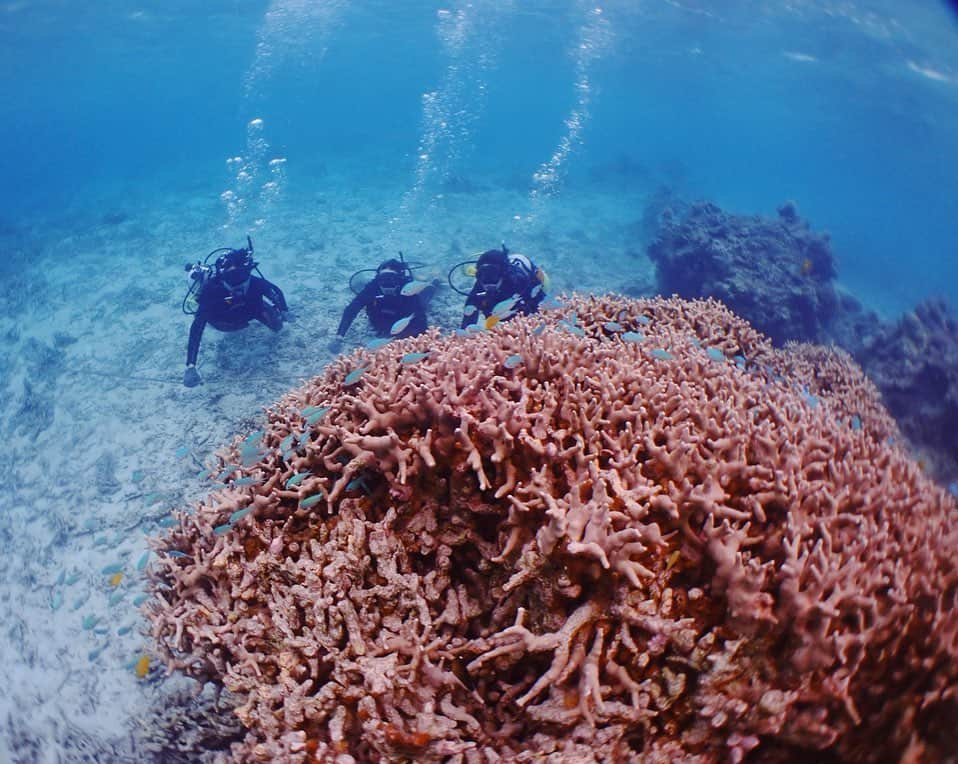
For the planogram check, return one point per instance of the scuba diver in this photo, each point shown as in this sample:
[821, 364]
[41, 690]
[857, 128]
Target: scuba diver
[227, 295]
[390, 298]
[506, 284]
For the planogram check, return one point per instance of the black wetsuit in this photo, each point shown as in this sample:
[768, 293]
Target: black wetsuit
[228, 311]
[521, 279]
[385, 310]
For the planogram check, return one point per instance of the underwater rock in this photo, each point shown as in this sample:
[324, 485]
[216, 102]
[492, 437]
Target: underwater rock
[684, 545]
[186, 728]
[914, 362]
[104, 474]
[775, 273]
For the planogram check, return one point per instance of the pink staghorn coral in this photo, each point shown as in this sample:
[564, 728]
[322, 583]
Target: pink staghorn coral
[558, 540]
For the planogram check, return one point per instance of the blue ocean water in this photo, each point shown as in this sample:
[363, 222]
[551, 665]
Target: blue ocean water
[139, 136]
[848, 108]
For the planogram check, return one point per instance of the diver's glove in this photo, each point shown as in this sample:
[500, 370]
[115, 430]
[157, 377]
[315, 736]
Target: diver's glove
[191, 377]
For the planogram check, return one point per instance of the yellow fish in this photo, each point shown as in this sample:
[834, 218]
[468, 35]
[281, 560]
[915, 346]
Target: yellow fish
[142, 667]
[115, 579]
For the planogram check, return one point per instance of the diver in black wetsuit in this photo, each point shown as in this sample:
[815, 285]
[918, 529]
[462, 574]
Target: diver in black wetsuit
[389, 298]
[501, 275]
[228, 296]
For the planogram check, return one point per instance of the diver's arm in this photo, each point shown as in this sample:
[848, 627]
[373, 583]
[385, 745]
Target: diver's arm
[274, 294]
[359, 302]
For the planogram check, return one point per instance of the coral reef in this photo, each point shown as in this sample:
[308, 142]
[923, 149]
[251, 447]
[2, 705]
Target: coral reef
[914, 362]
[775, 273]
[624, 530]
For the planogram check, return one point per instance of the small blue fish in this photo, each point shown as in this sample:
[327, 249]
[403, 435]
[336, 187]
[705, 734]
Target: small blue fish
[56, 600]
[633, 336]
[182, 451]
[512, 361]
[141, 563]
[353, 377]
[227, 471]
[739, 361]
[109, 570]
[123, 630]
[377, 343]
[297, 479]
[285, 443]
[413, 288]
[204, 474]
[244, 481]
[715, 353]
[153, 498]
[643, 320]
[310, 500]
[539, 329]
[250, 455]
[552, 303]
[116, 597]
[811, 400]
[578, 331]
[316, 415]
[137, 476]
[89, 621]
[95, 652]
[661, 355]
[219, 530]
[176, 553]
[411, 358]
[72, 579]
[856, 423]
[139, 599]
[287, 455]
[953, 489]
[696, 341]
[613, 326]
[61, 578]
[357, 483]
[239, 514]
[401, 324]
[504, 308]
[254, 437]
[166, 522]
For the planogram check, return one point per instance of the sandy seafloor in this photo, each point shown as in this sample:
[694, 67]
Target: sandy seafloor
[95, 419]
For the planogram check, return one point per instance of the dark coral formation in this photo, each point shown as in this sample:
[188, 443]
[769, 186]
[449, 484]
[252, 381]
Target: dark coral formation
[631, 530]
[914, 362]
[776, 273]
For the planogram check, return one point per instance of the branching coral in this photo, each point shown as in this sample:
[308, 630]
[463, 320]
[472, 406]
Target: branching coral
[624, 530]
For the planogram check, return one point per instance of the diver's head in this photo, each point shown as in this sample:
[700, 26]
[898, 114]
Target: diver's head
[390, 277]
[491, 269]
[235, 270]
